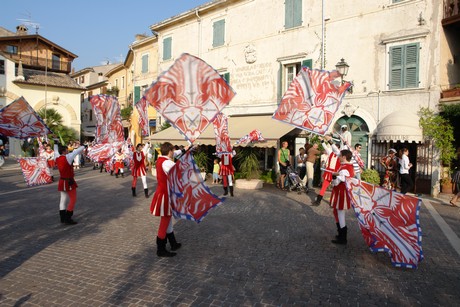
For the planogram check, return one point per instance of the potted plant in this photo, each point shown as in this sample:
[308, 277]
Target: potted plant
[201, 160]
[371, 176]
[249, 169]
[440, 131]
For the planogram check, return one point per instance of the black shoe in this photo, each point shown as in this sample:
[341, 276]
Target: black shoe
[342, 237]
[225, 191]
[231, 190]
[161, 249]
[62, 214]
[68, 218]
[146, 192]
[317, 201]
[134, 191]
[172, 241]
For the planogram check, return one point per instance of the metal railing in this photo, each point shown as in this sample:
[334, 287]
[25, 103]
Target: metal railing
[41, 63]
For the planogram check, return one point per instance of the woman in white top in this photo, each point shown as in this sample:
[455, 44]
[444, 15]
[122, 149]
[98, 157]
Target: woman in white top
[404, 166]
[301, 158]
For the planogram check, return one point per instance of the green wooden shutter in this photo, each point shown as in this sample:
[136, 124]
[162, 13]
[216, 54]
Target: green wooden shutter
[297, 13]
[307, 63]
[411, 65]
[288, 14]
[137, 94]
[218, 33]
[167, 47]
[145, 63]
[226, 77]
[396, 67]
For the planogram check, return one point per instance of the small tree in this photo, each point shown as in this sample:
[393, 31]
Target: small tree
[248, 163]
[438, 129]
[126, 112]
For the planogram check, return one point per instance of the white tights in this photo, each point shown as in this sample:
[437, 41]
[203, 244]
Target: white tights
[341, 217]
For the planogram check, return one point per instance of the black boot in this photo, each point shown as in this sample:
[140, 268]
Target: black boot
[161, 248]
[68, 218]
[116, 175]
[231, 190]
[338, 230]
[146, 192]
[122, 175]
[225, 191]
[342, 239]
[111, 173]
[317, 201]
[172, 241]
[134, 191]
[62, 214]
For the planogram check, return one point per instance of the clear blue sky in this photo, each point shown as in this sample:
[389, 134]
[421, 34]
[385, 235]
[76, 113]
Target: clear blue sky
[94, 30]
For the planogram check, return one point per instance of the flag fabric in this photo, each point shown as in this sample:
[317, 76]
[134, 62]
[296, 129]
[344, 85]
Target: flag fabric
[189, 95]
[190, 198]
[19, 120]
[312, 100]
[220, 124]
[35, 171]
[142, 109]
[389, 221]
[109, 135]
[252, 137]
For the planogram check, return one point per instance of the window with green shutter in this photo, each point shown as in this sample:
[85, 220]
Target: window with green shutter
[137, 94]
[145, 63]
[226, 77]
[404, 66]
[167, 48]
[293, 13]
[218, 33]
[307, 63]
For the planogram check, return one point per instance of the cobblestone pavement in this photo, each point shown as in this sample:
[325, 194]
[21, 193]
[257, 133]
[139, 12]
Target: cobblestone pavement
[260, 248]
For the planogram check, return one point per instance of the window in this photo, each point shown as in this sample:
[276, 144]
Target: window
[2, 67]
[145, 63]
[56, 61]
[290, 71]
[167, 48]
[137, 94]
[123, 82]
[226, 77]
[91, 114]
[116, 82]
[12, 49]
[82, 79]
[218, 33]
[404, 66]
[293, 13]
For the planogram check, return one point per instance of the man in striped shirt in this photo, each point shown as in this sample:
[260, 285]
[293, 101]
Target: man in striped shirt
[358, 163]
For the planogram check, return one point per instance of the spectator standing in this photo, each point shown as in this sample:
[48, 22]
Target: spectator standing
[301, 160]
[345, 138]
[312, 154]
[358, 163]
[284, 160]
[390, 164]
[404, 167]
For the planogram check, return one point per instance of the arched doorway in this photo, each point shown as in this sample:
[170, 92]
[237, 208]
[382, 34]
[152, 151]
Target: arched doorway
[359, 132]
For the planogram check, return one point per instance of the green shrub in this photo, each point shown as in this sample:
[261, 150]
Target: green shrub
[371, 176]
[268, 176]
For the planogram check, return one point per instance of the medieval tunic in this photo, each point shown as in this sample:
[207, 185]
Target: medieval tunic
[119, 161]
[67, 180]
[160, 203]
[333, 161]
[139, 164]
[339, 196]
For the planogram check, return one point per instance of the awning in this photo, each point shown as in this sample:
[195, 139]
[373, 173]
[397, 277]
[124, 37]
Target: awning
[238, 126]
[400, 126]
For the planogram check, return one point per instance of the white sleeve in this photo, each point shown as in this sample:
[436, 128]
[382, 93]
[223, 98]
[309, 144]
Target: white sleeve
[341, 177]
[336, 150]
[167, 165]
[177, 153]
[73, 154]
[56, 151]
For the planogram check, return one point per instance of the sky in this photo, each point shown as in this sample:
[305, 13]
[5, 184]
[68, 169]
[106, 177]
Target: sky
[96, 31]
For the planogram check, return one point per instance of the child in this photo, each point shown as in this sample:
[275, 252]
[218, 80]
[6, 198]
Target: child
[340, 200]
[215, 172]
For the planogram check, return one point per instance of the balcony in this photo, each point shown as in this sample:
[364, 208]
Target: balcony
[34, 62]
[451, 12]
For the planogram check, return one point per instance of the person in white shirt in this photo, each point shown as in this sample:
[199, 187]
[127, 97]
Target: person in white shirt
[404, 167]
[301, 159]
[345, 138]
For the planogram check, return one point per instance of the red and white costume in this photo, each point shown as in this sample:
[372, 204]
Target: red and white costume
[332, 166]
[139, 164]
[339, 196]
[67, 184]
[160, 203]
[49, 156]
[119, 162]
[227, 170]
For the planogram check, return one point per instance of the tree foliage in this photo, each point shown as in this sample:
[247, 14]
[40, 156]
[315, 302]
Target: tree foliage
[248, 163]
[126, 112]
[53, 119]
[437, 128]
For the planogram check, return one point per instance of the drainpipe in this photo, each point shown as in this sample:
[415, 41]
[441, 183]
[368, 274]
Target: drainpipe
[199, 32]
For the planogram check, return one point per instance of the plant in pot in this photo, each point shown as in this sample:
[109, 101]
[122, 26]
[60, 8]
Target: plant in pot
[438, 129]
[201, 160]
[371, 176]
[249, 168]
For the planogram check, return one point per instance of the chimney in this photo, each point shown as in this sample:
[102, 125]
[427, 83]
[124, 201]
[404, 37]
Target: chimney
[21, 30]
[140, 36]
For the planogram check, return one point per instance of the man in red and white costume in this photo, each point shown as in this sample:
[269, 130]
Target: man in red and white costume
[119, 163]
[340, 201]
[226, 171]
[67, 185]
[139, 168]
[160, 203]
[332, 166]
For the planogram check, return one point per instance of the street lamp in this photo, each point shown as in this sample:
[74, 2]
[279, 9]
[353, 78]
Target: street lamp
[342, 67]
